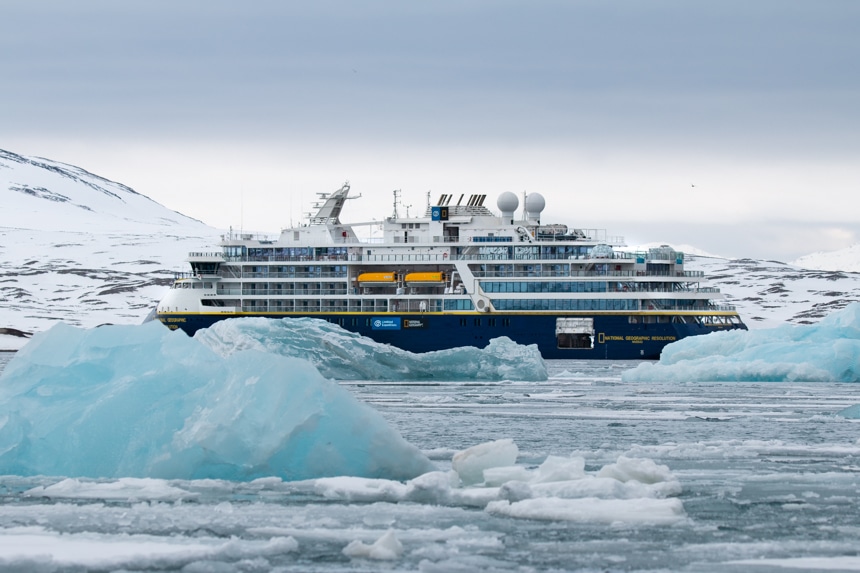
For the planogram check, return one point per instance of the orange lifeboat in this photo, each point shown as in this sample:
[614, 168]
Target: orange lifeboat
[414, 279]
[371, 279]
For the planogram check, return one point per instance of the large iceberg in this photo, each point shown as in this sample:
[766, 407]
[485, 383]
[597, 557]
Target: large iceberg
[342, 355]
[825, 352]
[142, 401]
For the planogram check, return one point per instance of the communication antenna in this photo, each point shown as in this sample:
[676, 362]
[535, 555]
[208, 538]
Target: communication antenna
[397, 193]
[525, 213]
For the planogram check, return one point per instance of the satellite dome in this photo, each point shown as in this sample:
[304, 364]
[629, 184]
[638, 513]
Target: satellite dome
[508, 203]
[535, 203]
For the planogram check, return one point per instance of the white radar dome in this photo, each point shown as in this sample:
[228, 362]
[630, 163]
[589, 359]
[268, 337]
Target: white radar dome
[508, 203]
[535, 203]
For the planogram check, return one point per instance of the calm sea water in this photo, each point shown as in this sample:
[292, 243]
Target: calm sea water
[770, 477]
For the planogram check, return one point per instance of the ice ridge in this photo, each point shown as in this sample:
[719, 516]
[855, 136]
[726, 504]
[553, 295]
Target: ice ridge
[342, 355]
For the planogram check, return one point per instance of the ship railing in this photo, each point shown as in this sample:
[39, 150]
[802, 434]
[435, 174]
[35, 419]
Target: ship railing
[190, 275]
[286, 258]
[530, 253]
[534, 255]
[311, 307]
[420, 257]
[295, 275]
[725, 307]
[658, 306]
[549, 273]
[297, 292]
[403, 305]
[203, 255]
[687, 308]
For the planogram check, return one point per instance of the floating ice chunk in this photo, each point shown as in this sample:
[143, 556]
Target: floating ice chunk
[515, 491]
[625, 491]
[593, 510]
[502, 475]
[387, 547]
[471, 463]
[143, 401]
[432, 487]
[851, 412]
[126, 489]
[38, 549]
[828, 351]
[557, 468]
[355, 489]
[824, 563]
[342, 355]
[636, 469]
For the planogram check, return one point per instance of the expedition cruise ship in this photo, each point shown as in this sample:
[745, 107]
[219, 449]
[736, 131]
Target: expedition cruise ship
[460, 275]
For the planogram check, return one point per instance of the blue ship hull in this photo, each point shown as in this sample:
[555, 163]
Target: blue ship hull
[615, 337]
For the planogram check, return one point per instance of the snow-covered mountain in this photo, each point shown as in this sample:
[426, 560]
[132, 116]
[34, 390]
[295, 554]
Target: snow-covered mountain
[78, 248]
[770, 293]
[847, 260]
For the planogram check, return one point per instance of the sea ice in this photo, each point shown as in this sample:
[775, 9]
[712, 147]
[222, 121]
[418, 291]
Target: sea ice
[342, 355]
[631, 490]
[593, 510]
[143, 401]
[40, 549]
[825, 352]
[387, 547]
[471, 463]
[852, 412]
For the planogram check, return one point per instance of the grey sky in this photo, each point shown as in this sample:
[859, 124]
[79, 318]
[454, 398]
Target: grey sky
[612, 110]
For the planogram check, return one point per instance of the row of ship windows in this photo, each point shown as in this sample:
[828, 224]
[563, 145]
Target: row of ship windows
[448, 305]
[285, 272]
[463, 321]
[582, 286]
[489, 287]
[556, 286]
[566, 304]
[266, 253]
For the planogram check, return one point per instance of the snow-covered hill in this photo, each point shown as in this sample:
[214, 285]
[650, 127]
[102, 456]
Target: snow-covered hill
[847, 260]
[78, 248]
[770, 293]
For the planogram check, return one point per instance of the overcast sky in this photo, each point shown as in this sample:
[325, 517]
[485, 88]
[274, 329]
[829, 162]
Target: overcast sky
[733, 126]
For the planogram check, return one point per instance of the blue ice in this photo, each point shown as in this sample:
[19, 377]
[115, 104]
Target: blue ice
[852, 412]
[144, 401]
[828, 351]
[342, 355]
